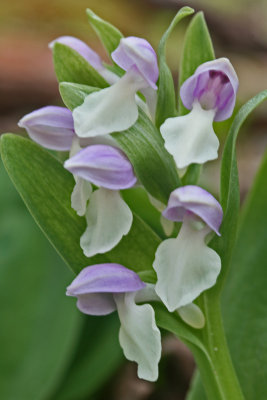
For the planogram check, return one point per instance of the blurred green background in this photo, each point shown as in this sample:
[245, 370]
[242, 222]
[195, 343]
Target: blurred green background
[48, 350]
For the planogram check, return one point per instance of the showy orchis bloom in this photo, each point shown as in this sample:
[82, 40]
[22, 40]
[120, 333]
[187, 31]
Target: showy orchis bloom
[114, 109]
[108, 216]
[88, 54]
[210, 93]
[186, 266]
[103, 288]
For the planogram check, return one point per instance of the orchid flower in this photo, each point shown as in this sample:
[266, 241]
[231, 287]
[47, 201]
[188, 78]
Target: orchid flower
[88, 54]
[210, 94]
[51, 127]
[108, 216]
[103, 288]
[115, 109]
[186, 266]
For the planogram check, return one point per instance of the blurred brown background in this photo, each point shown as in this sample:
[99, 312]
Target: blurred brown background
[27, 81]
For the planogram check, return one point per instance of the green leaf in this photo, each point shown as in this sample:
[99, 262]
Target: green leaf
[70, 66]
[230, 197]
[46, 187]
[153, 165]
[166, 104]
[245, 295]
[137, 199]
[197, 49]
[144, 147]
[108, 34]
[91, 367]
[39, 324]
[73, 94]
[192, 174]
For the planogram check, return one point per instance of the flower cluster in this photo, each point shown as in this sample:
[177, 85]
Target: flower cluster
[185, 265]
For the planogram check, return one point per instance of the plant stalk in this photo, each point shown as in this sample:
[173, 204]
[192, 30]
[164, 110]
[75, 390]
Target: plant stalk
[217, 373]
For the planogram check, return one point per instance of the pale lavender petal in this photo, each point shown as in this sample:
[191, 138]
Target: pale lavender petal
[82, 48]
[105, 278]
[105, 166]
[214, 84]
[96, 303]
[195, 200]
[137, 53]
[51, 127]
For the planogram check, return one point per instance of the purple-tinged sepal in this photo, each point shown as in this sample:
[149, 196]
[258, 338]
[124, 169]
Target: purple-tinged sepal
[210, 94]
[214, 85]
[103, 288]
[51, 127]
[186, 266]
[103, 165]
[193, 199]
[114, 109]
[137, 54]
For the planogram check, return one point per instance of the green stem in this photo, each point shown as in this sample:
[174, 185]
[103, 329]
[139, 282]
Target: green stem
[218, 375]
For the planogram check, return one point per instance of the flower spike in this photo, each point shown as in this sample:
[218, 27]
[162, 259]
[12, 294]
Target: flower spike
[186, 266]
[103, 288]
[114, 109]
[210, 94]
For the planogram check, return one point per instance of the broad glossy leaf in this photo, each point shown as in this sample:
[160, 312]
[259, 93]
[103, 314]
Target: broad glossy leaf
[166, 105]
[46, 187]
[39, 324]
[144, 147]
[245, 295]
[197, 49]
[96, 360]
[70, 66]
[230, 197]
[153, 165]
[108, 34]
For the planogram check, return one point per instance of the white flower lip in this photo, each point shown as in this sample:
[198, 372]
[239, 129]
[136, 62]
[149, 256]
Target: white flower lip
[103, 288]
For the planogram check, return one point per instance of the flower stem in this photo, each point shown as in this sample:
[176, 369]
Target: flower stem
[218, 374]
